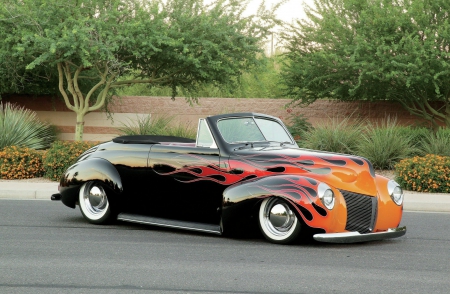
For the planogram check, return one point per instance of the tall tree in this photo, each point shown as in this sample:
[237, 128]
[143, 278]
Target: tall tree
[373, 50]
[115, 43]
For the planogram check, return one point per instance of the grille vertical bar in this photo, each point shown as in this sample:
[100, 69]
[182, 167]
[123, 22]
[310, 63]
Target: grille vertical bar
[361, 212]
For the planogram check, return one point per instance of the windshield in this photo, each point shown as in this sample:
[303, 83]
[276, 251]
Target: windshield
[249, 129]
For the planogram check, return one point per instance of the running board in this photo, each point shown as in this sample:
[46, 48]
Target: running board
[168, 223]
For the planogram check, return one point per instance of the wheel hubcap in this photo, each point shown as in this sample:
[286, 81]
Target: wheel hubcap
[95, 199]
[281, 216]
[278, 217]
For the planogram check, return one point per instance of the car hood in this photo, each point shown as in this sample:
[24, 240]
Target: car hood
[344, 172]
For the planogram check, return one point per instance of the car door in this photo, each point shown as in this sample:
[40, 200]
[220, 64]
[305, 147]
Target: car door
[188, 179]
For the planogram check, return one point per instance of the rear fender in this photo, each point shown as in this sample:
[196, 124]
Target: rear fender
[92, 169]
[299, 191]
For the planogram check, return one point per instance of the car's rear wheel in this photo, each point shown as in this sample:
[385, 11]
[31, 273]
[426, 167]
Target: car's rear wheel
[94, 204]
[278, 222]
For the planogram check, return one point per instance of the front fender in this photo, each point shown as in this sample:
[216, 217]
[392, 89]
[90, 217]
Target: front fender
[92, 169]
[299, 191]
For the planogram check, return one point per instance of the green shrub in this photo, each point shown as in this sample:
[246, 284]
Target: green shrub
[182, 130]
[62, 155]
[298, 127]
[334, 135]
[158, 125]
[21, 127]
[430, 173]
[437, 143]
[145, 125]
[416, 135]
[20, 163]
[385, 144]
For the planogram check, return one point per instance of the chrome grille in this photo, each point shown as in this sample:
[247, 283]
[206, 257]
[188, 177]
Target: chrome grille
[361, 212]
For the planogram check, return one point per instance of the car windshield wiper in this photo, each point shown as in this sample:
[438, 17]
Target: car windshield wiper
[278, 142]
[242, 142]
[256, 142]
[281, 144]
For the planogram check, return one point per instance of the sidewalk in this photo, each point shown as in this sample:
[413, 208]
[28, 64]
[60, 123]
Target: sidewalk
[414, 201]
[27, 190]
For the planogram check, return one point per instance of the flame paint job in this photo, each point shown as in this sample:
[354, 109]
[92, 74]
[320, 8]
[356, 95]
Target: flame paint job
[299, 191]
[346, 172]
[226, 184]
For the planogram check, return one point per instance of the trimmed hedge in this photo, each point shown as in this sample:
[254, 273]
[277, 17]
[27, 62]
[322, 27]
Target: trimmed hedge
[61, 156]
[20, 163]
[430, 173]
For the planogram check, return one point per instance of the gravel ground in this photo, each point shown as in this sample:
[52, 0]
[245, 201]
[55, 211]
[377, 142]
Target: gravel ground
[386, 173]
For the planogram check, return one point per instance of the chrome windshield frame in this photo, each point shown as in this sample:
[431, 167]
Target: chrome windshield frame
[292, 141]
[214, 144]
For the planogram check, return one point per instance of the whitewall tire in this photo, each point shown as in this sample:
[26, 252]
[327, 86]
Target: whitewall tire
[277, 221]
[94, 204]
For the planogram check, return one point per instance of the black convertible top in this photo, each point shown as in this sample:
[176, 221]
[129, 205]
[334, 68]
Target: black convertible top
[150, 139]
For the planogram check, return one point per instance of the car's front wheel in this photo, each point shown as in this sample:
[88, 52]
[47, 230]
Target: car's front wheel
[278, 222]
[94, 204]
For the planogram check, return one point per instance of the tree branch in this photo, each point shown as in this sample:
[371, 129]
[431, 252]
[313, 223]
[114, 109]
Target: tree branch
[102, 95]
[70, 85]
[146, 81]
[61, 87]
[77, 88]
[101, 82]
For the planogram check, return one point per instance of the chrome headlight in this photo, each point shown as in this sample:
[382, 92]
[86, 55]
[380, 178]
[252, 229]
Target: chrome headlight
[326, 195]
[395, 192]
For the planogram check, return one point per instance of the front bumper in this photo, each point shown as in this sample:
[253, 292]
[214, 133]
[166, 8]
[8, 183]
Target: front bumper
[355, 237]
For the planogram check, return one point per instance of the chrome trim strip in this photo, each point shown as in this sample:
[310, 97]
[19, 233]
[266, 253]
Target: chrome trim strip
[373, 219]
[355, 237]
[190, 226]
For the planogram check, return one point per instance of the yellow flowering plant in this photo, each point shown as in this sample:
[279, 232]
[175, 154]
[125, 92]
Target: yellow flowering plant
[20, 163]
[62, 155]
[430, 173]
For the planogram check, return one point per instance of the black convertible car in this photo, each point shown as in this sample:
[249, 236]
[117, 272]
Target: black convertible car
[243, 171]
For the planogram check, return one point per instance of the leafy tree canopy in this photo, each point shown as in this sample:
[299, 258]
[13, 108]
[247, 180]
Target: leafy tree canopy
[373, 50]
[93, 44]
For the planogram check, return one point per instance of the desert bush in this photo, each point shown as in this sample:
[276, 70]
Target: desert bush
[334, 135]
[20, 163]
[157, 125]
[385, 144]
[145, 125]
[61, 156]
[182, 130]
[430, 173]
[416, 135]
[437, 143]
[298, 127]
[21, 127]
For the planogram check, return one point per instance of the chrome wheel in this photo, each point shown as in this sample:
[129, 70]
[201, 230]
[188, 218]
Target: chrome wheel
[277, 221]
[94, 203]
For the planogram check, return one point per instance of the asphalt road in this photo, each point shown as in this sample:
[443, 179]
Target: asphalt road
[46, 247]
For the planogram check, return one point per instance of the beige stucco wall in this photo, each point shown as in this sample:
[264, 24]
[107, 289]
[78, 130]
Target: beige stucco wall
[100, 127]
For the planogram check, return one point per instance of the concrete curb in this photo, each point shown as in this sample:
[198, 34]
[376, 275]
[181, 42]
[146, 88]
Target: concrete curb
[414, 201]
[27, 190]
[437, 202]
